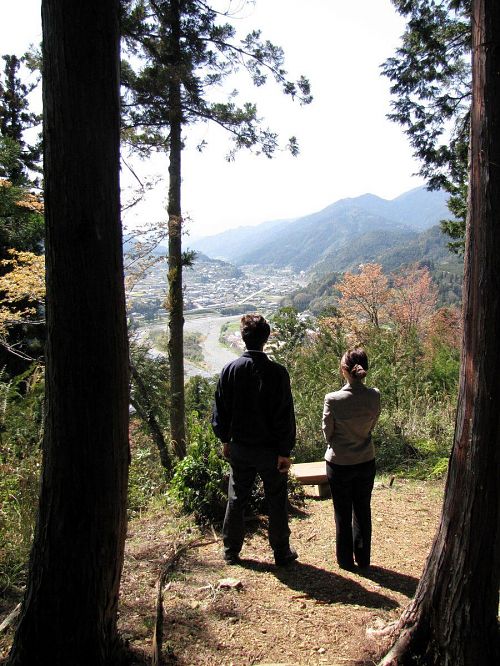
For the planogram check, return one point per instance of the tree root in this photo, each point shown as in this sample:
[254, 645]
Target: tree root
[11, 618]
[389, 629]
[168, 567]
[401, 648]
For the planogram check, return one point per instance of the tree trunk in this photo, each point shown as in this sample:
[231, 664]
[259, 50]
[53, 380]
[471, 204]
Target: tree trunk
[453, 618]
[175, 295]
[70, 607]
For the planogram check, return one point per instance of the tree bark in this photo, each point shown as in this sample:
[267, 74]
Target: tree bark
[175, 295]
[453, 618]
[70, 607]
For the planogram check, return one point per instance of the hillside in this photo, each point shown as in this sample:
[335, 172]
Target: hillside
[367, 224]
[428, 248]
[393, 250]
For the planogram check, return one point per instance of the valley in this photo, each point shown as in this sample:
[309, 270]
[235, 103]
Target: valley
[215, 293]
[216, 288]
[295, 263]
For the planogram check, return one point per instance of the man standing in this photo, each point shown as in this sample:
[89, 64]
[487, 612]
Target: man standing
[253, 416]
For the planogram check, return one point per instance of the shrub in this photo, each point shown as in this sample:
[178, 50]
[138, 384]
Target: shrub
[21, 432]
[258, 505]
[200, 395]
[416, 441]
[147, 479]
[199, 482]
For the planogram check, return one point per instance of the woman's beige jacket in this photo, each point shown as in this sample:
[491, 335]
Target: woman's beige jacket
[349, 416]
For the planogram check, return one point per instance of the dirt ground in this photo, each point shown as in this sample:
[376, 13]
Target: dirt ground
[308, 613]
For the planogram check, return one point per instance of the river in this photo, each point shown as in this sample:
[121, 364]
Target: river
[215, 355]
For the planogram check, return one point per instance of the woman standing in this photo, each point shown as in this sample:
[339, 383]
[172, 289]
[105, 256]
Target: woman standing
[349, 416]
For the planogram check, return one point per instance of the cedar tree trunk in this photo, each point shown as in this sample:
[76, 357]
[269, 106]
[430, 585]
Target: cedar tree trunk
[70, 607]
[175, 295]
[453, 618]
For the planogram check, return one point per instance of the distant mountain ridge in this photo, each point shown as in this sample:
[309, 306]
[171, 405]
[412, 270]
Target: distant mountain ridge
[232, 240]
[332, 239]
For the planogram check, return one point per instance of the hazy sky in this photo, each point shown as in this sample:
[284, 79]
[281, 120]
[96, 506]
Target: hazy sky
[347, 146]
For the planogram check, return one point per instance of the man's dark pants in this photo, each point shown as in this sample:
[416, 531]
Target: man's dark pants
[246, 463]
[351, 487]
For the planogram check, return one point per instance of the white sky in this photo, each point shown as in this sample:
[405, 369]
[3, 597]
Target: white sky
[347, 146]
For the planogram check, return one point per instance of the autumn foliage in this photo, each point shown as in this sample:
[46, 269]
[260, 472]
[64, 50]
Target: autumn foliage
[364, 295]
[413, 299]
[22, 287]
[406, 300]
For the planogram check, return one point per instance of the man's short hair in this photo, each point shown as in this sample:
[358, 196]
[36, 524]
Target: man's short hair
[255, 330]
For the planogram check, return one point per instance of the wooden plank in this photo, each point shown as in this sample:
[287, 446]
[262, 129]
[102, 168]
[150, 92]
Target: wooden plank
[310, 474]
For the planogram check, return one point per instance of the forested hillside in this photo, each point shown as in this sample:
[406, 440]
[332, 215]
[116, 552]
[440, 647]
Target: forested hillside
[313, 242]
[428, 248]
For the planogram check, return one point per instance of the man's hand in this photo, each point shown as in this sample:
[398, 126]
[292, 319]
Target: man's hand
[283, 464]
[226, 450]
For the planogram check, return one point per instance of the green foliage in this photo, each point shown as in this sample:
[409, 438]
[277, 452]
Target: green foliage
[288, 332]
[146, 476]
[200, 480]
[418, 384]
[415, 442]
[151, 390]
[199, 52]
[396, 364]
[21, 411]
[21, 432]
[200, 395]
[440, 468]
[192, 348]
[431, 84]
[443, 369]
[17, 157]
[457, 203]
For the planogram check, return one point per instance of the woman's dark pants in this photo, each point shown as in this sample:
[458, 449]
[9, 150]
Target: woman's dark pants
[246, 462]
[351, 487]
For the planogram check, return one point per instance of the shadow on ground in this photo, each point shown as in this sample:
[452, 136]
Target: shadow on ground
[324, 586]
[392, 580]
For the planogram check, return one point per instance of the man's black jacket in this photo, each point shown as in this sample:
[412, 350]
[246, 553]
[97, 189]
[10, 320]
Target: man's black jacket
[254, 404]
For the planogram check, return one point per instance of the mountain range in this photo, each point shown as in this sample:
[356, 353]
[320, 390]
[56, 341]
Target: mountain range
[343, 235]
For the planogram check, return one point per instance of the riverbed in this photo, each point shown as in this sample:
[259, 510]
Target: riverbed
[215, 354]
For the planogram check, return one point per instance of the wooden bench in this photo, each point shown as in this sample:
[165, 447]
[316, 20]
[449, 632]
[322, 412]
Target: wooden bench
[313, 474]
